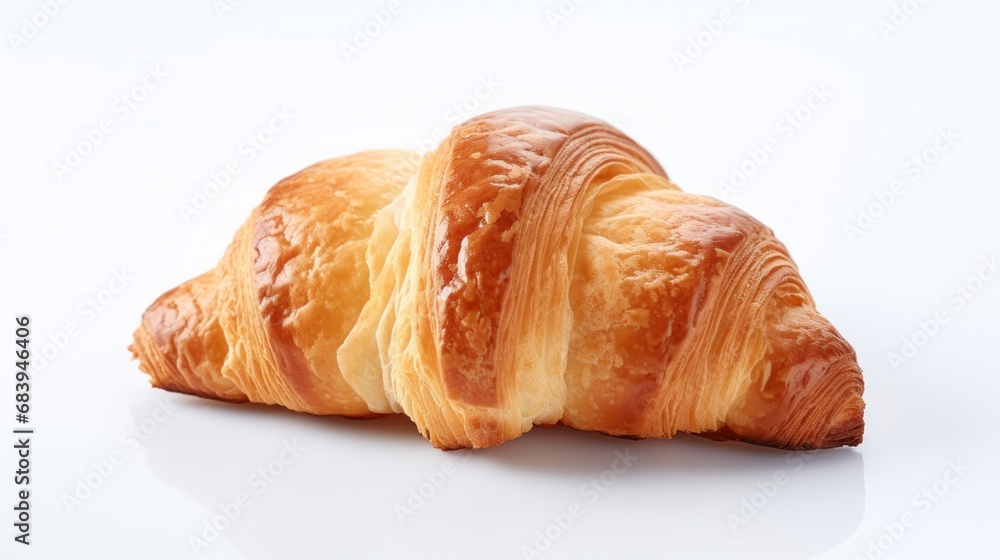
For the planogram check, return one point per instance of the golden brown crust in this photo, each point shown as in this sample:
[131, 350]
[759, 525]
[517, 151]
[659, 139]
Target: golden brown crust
[316, 224]
[670, 290]
[537, 269]
[180, 344]
[499, 204]
[496, 165]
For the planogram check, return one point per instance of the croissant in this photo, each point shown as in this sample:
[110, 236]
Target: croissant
[538, 268]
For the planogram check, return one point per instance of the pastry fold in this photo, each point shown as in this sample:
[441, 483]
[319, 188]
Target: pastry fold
[538, 268]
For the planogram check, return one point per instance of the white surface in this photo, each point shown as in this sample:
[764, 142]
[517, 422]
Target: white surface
[120, 209]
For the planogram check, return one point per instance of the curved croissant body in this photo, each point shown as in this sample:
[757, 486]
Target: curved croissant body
[538, 268]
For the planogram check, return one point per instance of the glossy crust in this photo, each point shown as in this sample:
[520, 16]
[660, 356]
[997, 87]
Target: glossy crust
[537, 268]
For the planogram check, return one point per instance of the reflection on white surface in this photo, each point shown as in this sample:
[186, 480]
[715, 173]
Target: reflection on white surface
[338, 485]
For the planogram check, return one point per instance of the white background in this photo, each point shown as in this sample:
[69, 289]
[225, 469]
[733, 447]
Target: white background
[64, 236]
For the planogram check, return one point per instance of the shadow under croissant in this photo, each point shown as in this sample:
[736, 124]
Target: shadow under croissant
[688, 497]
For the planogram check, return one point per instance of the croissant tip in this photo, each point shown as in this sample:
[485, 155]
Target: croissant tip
[160, 373]
[133, 348]
[848, 433]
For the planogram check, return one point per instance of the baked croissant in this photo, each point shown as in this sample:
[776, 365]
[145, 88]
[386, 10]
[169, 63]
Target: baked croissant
[538, 268]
